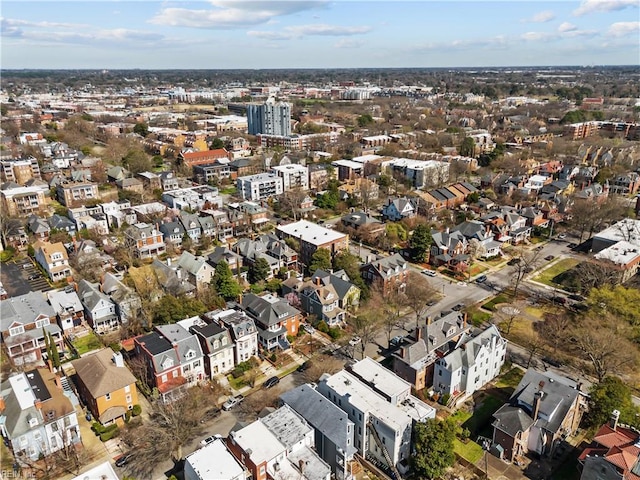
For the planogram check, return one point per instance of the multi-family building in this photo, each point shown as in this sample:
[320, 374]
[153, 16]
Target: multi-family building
[214, 460]
[75, 194]
[475, 361]
[272, 118]
[216, 344]
[295, 142]
[23, 201]
[213, 172]
[294, 176]
[260, 186]
[162, 362]
[312, 237]
[125, 298]
[53, 259]
[106, 386]
[191, 158]
[39, 419]
[24, 322]
[193, 198]
[20, 170]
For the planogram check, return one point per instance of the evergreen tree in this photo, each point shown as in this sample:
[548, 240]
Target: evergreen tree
[259, 270]
[420, 243]
[55, 354]
[433, 443]
[226, 286]
[321, 259]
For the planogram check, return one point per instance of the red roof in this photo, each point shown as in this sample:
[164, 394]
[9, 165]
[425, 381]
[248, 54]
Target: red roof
[621, 448]
[218, 153]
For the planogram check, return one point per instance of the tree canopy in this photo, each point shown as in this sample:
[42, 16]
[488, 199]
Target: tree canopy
[467, 147]
[226, 286]
[321, 259]
[420, 242]
[141, 128]
[350, 263]
[259, 270]
[170, 309]
[609, 395]
[433, 443]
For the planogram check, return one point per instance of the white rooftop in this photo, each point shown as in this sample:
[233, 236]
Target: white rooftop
[22, 390]
[347, 163]
[620, 253]
[103, 471]
[311, 232]
[366, 158]
[289, 168]
[215, 462]
[384, 380]
[627, 229]
[257, 438]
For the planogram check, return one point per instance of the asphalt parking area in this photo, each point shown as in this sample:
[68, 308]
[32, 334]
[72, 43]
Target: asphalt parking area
[21, 277]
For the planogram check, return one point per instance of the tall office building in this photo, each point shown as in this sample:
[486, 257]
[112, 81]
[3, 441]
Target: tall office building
[271, 118]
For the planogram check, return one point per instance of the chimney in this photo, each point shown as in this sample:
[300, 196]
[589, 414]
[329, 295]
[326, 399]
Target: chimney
[418, 333]
[301, 465]
[429, 319]
[318, 281]
[117, 359]
[38, 404]
[537, 399]
[168, 261]
[613, 420]
[56, 379]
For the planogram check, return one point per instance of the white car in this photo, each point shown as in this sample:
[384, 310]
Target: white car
[562, 236]
[232, 402]
[429, 273]
[308, 328]
[354, 341]
[206, 441]
[462, 284]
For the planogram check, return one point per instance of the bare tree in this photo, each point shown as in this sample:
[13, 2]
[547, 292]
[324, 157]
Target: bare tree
[526, 263]
[555, 328]
[322, 364]
[418, 294]
[510, 313]
[365, 326]
[290, 201]
[532, 342]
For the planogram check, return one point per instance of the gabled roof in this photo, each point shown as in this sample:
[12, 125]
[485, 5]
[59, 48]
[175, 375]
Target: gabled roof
[185, 341]
[268, 310]
[389, 266]
[339, 280]
[190, 263]
[90, 295]
[512, 420]
[24, 309]
[100, 374]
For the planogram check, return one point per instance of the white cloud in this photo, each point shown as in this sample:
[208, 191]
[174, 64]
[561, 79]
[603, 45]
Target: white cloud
[543, 17]
[592, 6]
[537, 36]
[567, 27]
[300, 31]
[620, 29]
[348, 43]
[232, 14]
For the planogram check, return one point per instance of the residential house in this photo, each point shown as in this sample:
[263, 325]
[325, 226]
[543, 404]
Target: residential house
[119, 213]
[475, 361]
[544, 409]
[214, 460]
[39, 227]
[172, 233]
[311, 237]
[358, 220]
[99, 310]
[150, 181]
[106, 386]
[68, 308]
[144, 241]
[479, 238]
[127, 301]
[398, 208]
[448, 248]
[216, 344]
[60, 223]
[198, 272]
[188, 349]
[614, 453]
[163, 369]
[243, 332]
[168, 181]
[415, 360]
[332, 428]
[535, 217]
[38, 419]
[507, 226]
[207, 225]
[625, 184]
[172, 279]
[16, 235]
[213, 173]
[24, 321]
[220, 254]
[274, 318]
[53, 259]
[131, 185]
[387, 273]
[268, 247]
[191, 225]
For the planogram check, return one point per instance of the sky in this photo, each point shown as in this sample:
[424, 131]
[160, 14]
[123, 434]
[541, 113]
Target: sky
[258, 34]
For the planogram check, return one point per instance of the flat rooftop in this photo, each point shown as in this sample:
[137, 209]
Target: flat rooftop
[311, 232]
[214, 461]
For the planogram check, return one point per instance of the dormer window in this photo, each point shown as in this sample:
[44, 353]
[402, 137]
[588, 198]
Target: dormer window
[190, 354]
[16, 330]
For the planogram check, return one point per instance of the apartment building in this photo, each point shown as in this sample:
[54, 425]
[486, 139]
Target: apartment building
[214, 461]
[296, 143]
[75, 194]
[312, 237]
[191, 158]
[294, 176]
[213, 172]
[271, 118]
[260, 186]
[19, 170]
[24, 201]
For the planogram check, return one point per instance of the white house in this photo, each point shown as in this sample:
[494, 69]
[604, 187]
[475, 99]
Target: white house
[293, 176]
[398, 208]
[68, 308]
[244, 332]
[260, 186]
[213, 461]
[475, 361]
[53, 259]
[216, 344]
[99, 310]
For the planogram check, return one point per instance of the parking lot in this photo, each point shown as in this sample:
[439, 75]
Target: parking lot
[21, 276]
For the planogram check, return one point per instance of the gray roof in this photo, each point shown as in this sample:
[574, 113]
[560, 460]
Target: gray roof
[209, 334]
[240, 323]
[314, 467]
[330, 420]
[169, 279]
[512, 420]
[190, 263]
[268, 310]
[472, 346]
[62, 301]
[386, 266]
[558, 395]
[287, 426]
[24, 309]
[90, 295]
[184, 340]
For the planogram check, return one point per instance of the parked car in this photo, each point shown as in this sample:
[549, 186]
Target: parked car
[562, 236]
[122, 460]
[462, 284]
[206, 441]
[560, 300]
[232, 402]
[572, 245]
[354, 341]
[514, 261]
[304, 367]
[271, 382]
[481, 279]
[576, 297]
[429, 273]
[34, 276]
[397, 340]
[458, 307]
[548, 258]
[553, 362]
[308, 328]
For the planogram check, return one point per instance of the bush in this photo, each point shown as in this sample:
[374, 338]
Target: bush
[335, 333]
[291, 338]
[273, 357]
[323, 327]
[137, 410]
[109, 434]
[127, 416]
[445, 399]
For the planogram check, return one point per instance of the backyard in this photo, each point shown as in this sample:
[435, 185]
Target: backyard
[87, 343]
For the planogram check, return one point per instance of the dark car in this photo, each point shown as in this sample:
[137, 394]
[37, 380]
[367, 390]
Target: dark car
[576, 297]
[123, 460]
[304, 367]
[481, 279]
[210, 415]
[458, 307]
[552, 361]
[572, 245]
[560, 300]
[271, 382]
[514, 261]
[548, 258]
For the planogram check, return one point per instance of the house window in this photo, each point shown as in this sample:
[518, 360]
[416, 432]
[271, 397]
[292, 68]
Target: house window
[107, 397]
[42, 323]
[128, 398]
[175, 373]
[164, 378]
[127, 389]
[16, 330]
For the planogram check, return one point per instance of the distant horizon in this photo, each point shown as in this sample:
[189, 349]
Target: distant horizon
[316, 34]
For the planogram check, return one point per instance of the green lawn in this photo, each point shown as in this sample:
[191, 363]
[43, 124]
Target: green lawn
[556, 269]
[237, 383]
[228, 190]
[510, 379]
[491, 304]
[482, 415]
[87, 343]
[477, 316]
[470, 451]
[460, 416]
